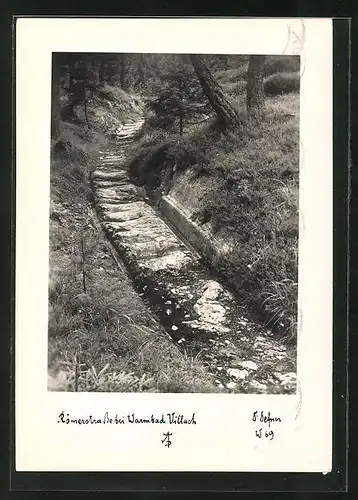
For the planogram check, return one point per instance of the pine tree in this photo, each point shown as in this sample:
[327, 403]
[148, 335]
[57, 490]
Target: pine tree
[57, 67]
[227, 115]
[179, 96]
[255, 99]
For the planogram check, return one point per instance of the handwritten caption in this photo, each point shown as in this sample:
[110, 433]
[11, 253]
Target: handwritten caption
[172, 418]
[265, 421]
[264, 430]
[117, 419]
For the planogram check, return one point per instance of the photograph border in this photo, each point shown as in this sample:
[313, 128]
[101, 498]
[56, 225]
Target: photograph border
[193, 481]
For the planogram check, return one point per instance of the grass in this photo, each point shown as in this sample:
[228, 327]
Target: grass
[101, 335]
[245, 189]
[104, 338]
[232, 75]
[107, 109]
[281, 64]
[70, 168]
[282, 83]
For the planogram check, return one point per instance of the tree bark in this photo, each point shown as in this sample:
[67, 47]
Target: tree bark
[122, 73]
[85, 106]
[141, 69]
[55, 98]
[255, 99]
[101, 71]
[227, 115]
[181, 107]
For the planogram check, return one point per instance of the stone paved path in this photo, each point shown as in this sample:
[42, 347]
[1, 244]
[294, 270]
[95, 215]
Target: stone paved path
[197, 310]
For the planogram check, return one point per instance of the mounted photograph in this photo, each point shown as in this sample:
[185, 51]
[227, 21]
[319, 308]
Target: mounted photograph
[174, 223]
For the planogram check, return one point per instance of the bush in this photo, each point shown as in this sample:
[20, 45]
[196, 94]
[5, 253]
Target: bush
[152, 158]
[147, 160]
[232, 75]
[244, 188]
[191, 150]
[281, 64]
[282, 83]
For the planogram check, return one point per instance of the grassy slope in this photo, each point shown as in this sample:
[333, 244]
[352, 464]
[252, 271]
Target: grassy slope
[102, 337]
[244, 190]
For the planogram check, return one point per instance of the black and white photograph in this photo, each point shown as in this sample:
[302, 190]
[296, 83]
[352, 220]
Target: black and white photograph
[174, 256]
[174, 223]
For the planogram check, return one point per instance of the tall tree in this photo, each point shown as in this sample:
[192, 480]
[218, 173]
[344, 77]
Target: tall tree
[122, 71]
[57, 73]
[227, 115]
[84, 74]
[179, 97]
[255, 98]
[101, 71]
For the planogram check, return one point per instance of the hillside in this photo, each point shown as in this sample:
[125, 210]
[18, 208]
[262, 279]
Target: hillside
[240, 191]
[102, 336]
[243, 193]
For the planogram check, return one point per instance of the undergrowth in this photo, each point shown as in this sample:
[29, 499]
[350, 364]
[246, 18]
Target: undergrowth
[108, 108]
[104, 339]
[101, 336]
[247, 195]
[282, 83]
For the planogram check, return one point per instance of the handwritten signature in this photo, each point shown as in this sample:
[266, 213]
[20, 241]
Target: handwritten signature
[267, 420]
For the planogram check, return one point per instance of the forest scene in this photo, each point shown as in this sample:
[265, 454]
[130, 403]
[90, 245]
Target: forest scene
[174, 223]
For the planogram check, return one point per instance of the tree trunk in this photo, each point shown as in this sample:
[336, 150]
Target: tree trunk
[55, 98]
[122, 73]
[227, 115]
[101, 71]
[70, 78]
[255, 98]
[141, 69]
[85, 105]
[181, 107]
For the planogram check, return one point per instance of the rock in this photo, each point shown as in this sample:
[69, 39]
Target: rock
[174, 328]
[250, 365]
[257, 386]
[173, 260]
[206, 326]
[288, 380]
[57, 382]
[210, 311]
[231, 385]
[236, 373]
[212, 290]
[212, 314]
